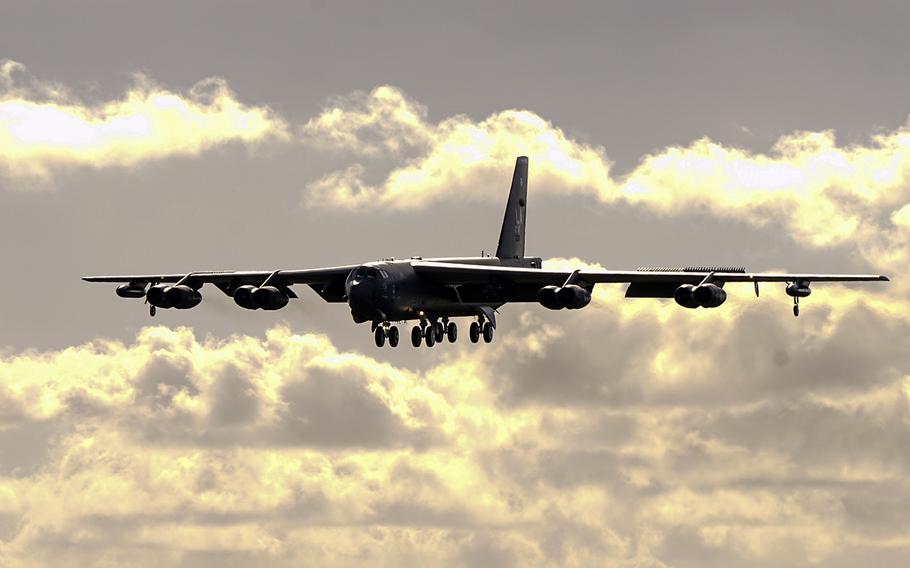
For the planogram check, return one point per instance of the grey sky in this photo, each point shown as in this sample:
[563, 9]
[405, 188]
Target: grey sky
[633, 78]
[588, 449]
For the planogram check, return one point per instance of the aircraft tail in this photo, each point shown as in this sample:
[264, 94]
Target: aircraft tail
[512, 235]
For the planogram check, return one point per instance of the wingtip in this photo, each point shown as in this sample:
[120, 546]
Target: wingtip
[884, 278]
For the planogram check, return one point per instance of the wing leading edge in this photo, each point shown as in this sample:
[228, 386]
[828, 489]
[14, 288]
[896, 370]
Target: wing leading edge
[451, 273]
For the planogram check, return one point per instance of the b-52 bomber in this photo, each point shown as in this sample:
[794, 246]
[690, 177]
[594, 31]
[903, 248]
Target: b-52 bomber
[433, 291]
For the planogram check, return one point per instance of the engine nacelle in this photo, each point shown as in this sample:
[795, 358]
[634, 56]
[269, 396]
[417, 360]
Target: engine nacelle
[683, 296]
[243, 297]
[131, 290]
[573, 296]
[156, 296]
[182, 297]
[709, 295]
[270, 298]
[547, 298]
[798, 290]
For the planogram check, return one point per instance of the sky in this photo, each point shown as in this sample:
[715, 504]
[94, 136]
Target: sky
[278, 135]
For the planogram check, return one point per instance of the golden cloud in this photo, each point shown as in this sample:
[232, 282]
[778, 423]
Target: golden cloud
[542, 448]
[823, 193]
[42, 127]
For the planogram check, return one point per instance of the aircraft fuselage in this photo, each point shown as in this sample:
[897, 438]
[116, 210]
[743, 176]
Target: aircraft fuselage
[391, 290]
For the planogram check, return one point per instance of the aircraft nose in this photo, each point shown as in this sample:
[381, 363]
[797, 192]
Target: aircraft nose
[359, 292]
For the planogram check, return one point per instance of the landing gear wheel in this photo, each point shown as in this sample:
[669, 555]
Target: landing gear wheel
[431, 335]
[416, 336]
[393, 336]
[153, 310]
[474, 332]
[440, 331]
[796, 310]
[488, 332]
[452, 332]
[379, 336]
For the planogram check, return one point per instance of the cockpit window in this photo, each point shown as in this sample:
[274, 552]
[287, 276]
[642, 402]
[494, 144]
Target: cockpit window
[363, 272]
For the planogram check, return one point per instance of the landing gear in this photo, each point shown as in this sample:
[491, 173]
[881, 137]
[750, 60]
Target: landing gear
[796, 307]
[393, 336]
[439, 330]
[153, 310]
[452, 332]
[416, 336]
[385, 331]
[431, 332]
[474, 332]
[487, 332]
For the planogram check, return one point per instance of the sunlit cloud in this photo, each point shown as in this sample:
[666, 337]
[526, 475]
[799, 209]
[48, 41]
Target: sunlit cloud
[823, 193]
[628, 433]
[43, 127]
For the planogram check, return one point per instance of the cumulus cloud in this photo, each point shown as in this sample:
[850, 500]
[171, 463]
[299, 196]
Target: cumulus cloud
[823, 193]
[283, 449]
[455, 158]
[44, 127]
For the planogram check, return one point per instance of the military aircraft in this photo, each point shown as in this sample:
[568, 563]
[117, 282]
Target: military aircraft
[435, 290]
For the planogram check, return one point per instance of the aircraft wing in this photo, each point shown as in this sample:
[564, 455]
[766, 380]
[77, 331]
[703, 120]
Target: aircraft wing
[456, 274]
[327, 282]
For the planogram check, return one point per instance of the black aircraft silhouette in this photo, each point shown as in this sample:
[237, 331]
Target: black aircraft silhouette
[435, 290]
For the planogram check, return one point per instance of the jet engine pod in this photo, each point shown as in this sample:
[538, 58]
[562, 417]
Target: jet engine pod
[547, 298]
[156, 296]
[243, 297]
[573, 296]
[798, 290]
[270, 298]
[131, 290]
[683, 296]
[709, 295]
[182, 297]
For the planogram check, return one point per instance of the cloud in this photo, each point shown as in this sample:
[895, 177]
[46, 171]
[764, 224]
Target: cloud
[823, 193]
[452, 159]
[44, 128]
[282, 449]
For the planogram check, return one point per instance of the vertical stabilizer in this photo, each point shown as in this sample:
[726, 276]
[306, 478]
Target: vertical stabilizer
[512, 236]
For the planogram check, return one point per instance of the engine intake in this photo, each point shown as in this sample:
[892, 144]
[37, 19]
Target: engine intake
[156, 296]
[182, 297]
[709, 295]
[571, 296]
[683, 296]
[270, 298]
[243, 297]
[547, 298]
